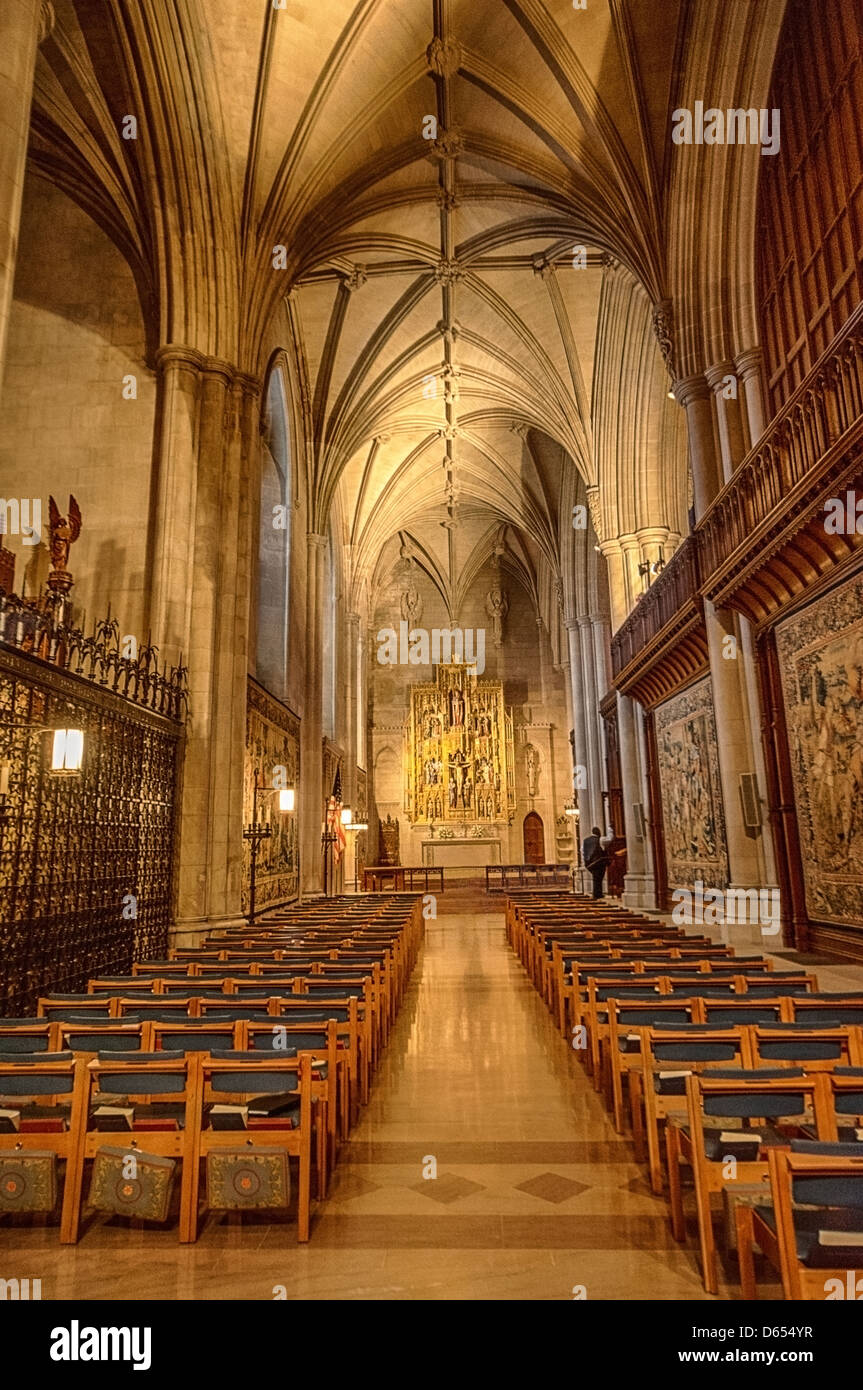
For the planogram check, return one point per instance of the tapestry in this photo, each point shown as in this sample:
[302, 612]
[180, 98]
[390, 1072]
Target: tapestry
[821, 663]
[459, 747]
[692, 811]
[272, 744]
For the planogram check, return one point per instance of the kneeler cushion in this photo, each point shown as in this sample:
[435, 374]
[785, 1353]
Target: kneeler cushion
[28, 1181]
[248, 1179]
[141, 1189]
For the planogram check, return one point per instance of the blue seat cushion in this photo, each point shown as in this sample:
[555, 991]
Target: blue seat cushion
[807, 1224]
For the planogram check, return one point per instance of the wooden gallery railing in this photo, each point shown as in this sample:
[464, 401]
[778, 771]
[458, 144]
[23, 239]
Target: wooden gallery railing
[809, 450]
[672, 594]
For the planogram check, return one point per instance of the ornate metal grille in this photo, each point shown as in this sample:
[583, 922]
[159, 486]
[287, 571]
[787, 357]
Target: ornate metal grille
[86, 862]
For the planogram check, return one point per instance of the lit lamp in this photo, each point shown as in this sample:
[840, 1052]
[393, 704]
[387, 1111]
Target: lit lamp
[286, 799]
[67, 753]
[346, 815]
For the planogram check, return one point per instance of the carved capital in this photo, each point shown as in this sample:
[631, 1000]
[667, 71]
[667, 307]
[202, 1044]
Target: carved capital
[692, 388]
[595, 510]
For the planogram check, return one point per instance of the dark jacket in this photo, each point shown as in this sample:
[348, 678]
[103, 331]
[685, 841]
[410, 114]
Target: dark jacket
[593, 851]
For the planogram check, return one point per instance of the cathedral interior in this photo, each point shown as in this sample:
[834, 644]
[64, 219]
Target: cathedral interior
[430, 558]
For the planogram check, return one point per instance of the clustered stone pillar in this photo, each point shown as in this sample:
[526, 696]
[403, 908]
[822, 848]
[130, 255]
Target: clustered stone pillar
[312, 804]
[579, 725]
[638, 884]
[719, 432]
[206, 437]
[23, 25]
[351, 668]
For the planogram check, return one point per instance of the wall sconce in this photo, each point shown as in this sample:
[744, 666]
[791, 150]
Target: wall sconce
[286, 799]
[67, 753]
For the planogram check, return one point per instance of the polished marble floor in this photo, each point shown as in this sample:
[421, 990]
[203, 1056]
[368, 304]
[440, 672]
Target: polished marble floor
[534, 1194]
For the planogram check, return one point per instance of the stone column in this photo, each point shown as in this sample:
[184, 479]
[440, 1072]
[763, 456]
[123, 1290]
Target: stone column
[732, 661]
[638, 884]
[617, 585]
[205, 457]
[596, 772]
[312, 809]
[23, 25]
[579, 722]
[695, 396]
[749, 367]
[352, 635]
[732, 440]
[178, 406]
[735, 753]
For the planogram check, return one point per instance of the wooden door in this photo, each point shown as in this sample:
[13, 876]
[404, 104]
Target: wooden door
[534, 839]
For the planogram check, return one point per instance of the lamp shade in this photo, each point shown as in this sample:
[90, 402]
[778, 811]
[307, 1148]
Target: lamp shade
[286, 799]
[67, 753]
[346, 815]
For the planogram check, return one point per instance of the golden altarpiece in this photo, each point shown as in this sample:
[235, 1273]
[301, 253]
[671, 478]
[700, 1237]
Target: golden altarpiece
[459, 752]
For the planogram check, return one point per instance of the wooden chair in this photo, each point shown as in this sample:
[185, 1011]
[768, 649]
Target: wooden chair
[670, 1056]
[625, 1020]
[342, 1100]
[828, 1177]
[28, 1035]
[142, 1078]
[762, 1096]
[104, 1035]
[329, 1079]
[56, 1080]
[813, 1047]
[238, 1076]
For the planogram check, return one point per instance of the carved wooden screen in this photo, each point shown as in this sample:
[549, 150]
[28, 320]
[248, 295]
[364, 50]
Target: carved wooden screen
[86, 862]
[810, 223]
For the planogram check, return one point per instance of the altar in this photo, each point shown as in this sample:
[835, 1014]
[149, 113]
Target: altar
[463, 852]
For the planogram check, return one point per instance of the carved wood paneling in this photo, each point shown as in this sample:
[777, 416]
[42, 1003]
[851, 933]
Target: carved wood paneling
[810, 215]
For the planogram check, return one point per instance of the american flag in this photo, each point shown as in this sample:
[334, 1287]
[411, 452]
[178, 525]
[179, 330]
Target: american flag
[334, 818]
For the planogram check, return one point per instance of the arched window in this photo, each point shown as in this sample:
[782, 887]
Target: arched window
[274, 545]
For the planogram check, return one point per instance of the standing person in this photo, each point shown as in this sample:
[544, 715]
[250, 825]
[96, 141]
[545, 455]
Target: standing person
[595, 859]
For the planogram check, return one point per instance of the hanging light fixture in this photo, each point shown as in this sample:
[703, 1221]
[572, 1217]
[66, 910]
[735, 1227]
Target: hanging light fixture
[67, 752]
[286, 799]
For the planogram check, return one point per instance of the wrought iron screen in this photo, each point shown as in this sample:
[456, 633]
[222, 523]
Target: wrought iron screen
[86, 861]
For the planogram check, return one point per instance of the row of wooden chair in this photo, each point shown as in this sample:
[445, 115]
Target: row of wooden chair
[312, 1022]
[731, 1034]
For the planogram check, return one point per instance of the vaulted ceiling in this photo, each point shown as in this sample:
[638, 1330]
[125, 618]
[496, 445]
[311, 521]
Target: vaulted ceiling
[417, 200]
